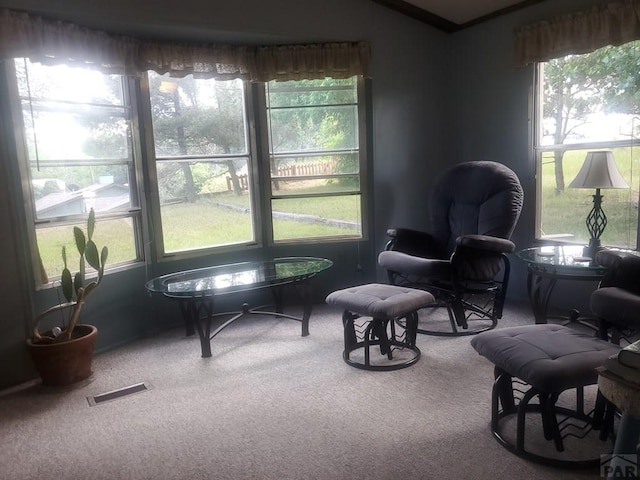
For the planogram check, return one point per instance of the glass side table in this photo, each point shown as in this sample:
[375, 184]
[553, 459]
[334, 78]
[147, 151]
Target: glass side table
[548, 264]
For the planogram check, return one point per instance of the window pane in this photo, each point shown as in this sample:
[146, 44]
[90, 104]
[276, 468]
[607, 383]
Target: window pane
[208, 223]
[77, 129]
[204, 204]
[336, 163]
[67, 84]
[55, 132]
[592, 97]
[589, 102]
[72, 113]
[314, 128]
[118, 235]
[74, 190]
[563, 215]
[313, 92]
[316, 186]
[197, 117]
[316, 217]
[316, 174]
[314, 155]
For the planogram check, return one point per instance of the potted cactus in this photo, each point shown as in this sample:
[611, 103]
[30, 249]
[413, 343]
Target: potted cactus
[63, 354]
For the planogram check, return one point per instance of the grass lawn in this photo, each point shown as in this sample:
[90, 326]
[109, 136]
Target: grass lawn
[200, 225]
[117, 235]
[346, 208]
[204, 223]
[566, 212]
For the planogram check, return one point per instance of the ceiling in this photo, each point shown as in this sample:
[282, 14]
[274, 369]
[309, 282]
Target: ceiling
[453, 15]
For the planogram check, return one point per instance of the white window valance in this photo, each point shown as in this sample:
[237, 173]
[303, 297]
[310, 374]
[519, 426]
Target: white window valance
[612, 23]
[54, 42]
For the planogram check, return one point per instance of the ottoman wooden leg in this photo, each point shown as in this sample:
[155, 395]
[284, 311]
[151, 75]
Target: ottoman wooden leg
[349, 330]
[411, 329]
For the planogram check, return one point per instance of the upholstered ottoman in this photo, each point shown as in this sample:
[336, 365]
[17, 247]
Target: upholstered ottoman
[549, 359]
[388, 320]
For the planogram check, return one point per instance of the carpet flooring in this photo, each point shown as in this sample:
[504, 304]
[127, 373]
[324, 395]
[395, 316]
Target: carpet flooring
[269, 404]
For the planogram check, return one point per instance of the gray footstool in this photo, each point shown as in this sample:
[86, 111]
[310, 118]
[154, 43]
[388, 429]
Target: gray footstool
[549, 359]
[388, 320]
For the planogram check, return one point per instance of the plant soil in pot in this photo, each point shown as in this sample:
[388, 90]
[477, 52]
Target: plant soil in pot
[64, 363]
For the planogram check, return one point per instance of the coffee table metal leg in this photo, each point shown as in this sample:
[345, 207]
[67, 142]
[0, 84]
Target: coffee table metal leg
[205, 334]
[305, 318]
[304, 289]
[185, 308]
[278, 298]
[194, 323]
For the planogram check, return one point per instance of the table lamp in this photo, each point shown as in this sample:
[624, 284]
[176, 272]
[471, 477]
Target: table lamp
[598, 171]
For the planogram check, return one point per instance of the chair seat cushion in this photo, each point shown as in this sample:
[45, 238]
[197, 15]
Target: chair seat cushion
[617, 306]
[379, 300]
[412, 265]
[551, 358]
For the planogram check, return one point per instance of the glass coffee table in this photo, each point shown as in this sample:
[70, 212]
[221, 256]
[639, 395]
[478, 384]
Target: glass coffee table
[196, 290]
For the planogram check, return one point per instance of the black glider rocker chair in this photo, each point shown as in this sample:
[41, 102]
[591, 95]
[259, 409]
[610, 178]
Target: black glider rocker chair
[461, 260]
[616, 301]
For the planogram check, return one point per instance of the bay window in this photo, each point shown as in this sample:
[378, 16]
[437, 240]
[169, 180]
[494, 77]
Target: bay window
[185, 162]
[180, 148]
[207, 188]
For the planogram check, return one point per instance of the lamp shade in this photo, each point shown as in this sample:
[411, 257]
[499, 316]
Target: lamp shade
[599, 170]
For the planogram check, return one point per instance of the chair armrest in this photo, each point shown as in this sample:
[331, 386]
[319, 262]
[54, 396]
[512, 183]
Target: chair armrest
[413, 242]
[480, 257]
[486, 243]
[623, 270]
[610, 258]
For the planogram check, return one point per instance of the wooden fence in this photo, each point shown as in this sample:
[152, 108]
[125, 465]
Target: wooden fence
[295, 170]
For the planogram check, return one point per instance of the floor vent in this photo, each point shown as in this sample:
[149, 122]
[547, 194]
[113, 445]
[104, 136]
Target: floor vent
[119, 393]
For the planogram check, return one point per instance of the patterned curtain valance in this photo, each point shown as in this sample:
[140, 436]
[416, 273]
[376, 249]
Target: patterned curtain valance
[55, 42]
[612, 23]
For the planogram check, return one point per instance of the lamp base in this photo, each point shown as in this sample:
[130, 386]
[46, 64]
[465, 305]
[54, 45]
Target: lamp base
[593, 248]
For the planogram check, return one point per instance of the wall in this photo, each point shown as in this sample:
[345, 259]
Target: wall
[406, 146]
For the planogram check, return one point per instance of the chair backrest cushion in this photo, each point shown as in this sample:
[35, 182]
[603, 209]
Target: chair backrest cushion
[480, 197]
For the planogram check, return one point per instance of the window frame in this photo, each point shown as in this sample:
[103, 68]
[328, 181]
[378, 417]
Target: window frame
[266, 190]
[259, 175]
[158, 252]
[539, 150]
[134, 167]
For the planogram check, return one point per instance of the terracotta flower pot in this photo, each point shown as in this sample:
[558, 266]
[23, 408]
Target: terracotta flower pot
[62, 364]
